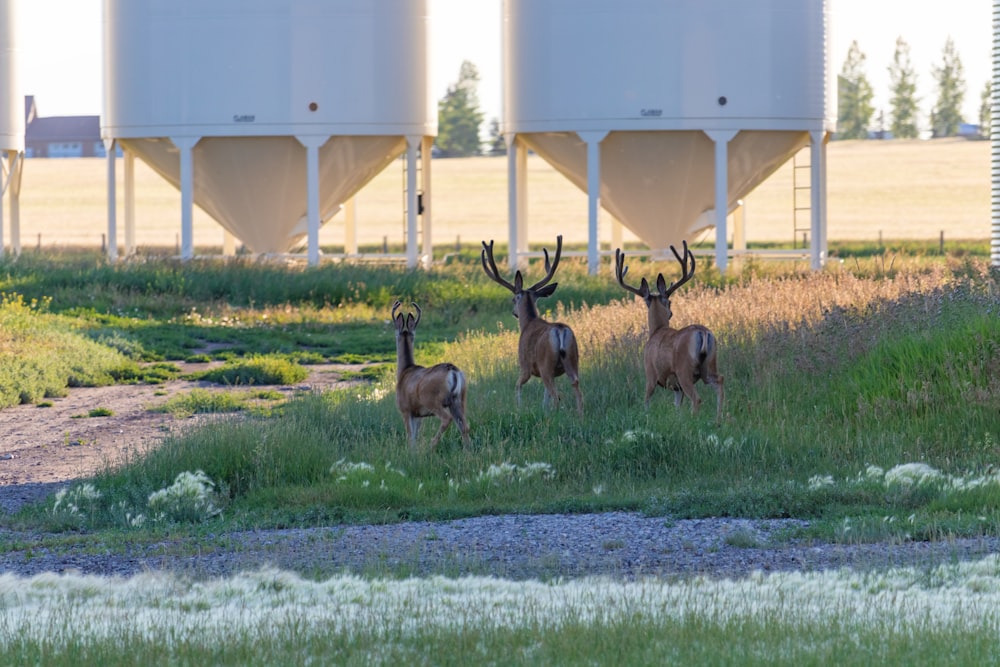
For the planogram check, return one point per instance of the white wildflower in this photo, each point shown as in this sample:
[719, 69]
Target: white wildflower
[343, 467]
[820, 481]
[69, 501]
[874, 473]
[506, 472]
[189, 498]
[911, 474]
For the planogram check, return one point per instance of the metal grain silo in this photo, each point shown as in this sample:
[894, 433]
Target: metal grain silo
[270, 114]
[11, 119]
[666, 113]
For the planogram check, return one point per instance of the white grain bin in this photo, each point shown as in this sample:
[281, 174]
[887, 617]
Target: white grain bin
[269, 114]
[11, 119]
[638, 101]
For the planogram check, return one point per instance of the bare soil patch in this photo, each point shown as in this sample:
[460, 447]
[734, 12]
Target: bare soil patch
[43, 448]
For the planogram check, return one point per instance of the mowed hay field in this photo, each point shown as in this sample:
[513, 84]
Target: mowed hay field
[890, 189]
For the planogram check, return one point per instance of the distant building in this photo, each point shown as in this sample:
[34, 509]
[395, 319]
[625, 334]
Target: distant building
[969, 131]
[60, 136]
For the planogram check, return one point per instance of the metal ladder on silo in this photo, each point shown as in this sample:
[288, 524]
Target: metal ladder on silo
[801, 197]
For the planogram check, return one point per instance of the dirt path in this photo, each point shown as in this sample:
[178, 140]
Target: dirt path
[44, 447]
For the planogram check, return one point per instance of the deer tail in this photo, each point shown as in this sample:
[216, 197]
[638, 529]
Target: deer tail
[456, 384]
[561, 337]
[703, 343]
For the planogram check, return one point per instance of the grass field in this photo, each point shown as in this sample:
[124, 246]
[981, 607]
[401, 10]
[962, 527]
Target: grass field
[890, 190]
[861, 398]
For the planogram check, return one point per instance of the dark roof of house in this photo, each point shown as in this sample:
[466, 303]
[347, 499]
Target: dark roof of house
[64, 128]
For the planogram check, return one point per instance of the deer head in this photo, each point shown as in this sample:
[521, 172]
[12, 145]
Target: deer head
[657, 302]
[524, 297]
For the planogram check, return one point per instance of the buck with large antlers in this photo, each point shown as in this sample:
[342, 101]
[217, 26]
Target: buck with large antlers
[545, 349]
[421, 392]
[674, 358]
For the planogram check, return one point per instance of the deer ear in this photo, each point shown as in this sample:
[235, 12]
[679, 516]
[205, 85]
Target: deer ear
[661, 284]
[409, 321]
[518, 281]
[546, 291]
[644, 286]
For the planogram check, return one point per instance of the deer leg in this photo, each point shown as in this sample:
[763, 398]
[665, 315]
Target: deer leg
[689, 390]
[412, 428]
[522, 378]
[550, 392]
[458, 414]
[720, 395]
[445, 417]
[650, 388]
[575, 383]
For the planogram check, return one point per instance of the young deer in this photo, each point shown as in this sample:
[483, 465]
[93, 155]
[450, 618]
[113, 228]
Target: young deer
[545, 349]
[675, 358]
[421, 392]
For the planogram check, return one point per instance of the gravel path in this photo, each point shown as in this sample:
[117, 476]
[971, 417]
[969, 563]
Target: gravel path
[618, 544]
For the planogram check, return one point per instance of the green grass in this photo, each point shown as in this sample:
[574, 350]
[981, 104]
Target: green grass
[827, 374]
[863, 399]
[202, 401]
[255, 370]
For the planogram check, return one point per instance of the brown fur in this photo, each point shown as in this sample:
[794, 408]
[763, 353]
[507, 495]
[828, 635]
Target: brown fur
[439, 390]
[545, 350]
[675, 358]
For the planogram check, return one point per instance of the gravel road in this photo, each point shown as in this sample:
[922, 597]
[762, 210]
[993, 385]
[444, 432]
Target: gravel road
[618, 544]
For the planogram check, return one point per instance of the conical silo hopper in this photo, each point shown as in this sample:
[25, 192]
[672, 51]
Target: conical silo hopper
[11, 120]
[268, 114]
[666, 113]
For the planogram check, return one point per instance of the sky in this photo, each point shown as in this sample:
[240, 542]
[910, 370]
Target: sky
[66, 78]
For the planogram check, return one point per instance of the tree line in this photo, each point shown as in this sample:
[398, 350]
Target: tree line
[855, 112]
[459, 115]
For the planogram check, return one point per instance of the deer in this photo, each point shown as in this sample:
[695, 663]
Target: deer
[545, 350]
[421, 392]
[675, 358]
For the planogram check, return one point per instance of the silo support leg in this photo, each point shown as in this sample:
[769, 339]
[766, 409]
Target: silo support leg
[517, 194]
[351, 226]
[426, 219]
[112, 247]
[818, 248]
[412, 144]
[129, 203]
[721, 139]
[312, 145]
[186, 147]
[15, 165]
[593, 140]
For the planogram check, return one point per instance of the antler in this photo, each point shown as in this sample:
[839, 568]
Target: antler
[686, 271]
[491, 270]
[621, 270]
[395, 315]
[549, 271]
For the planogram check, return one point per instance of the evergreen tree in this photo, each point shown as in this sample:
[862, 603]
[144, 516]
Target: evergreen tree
[854, 97]
[459, 116]
[497, 145]
[903, 85]
[947, 113]
[985, 110]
